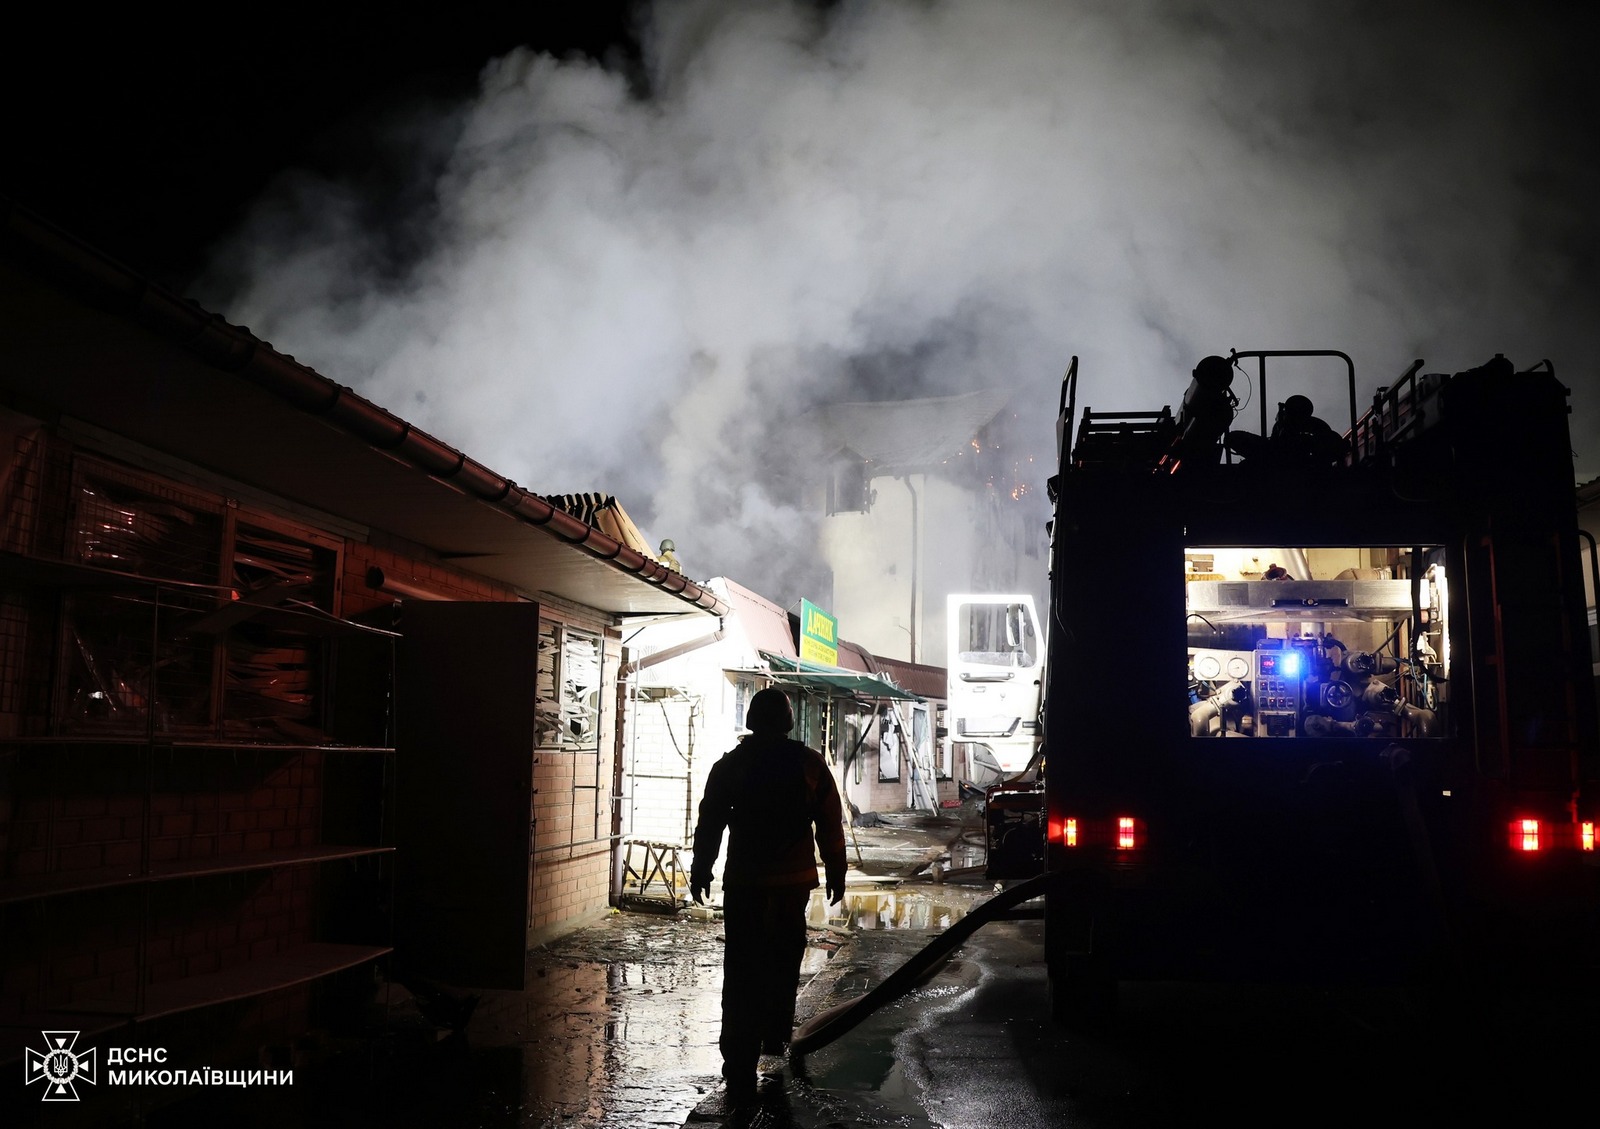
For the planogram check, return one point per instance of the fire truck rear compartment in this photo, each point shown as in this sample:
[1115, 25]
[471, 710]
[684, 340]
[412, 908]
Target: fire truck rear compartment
[1330, 716]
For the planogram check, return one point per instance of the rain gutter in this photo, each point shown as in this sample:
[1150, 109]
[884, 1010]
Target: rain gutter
[237, 351]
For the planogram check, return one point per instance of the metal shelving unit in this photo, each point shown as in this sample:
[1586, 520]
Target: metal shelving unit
[201, 819]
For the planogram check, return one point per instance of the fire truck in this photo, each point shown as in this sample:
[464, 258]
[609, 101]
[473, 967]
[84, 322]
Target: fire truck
[1318, 700]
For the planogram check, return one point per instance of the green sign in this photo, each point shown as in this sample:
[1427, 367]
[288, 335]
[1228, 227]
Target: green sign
[819, 635]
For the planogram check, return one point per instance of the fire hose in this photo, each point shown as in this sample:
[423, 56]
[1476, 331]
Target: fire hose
[826, 1026]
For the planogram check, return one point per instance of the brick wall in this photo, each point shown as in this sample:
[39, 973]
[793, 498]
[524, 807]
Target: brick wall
[573, 845]
[83, 811]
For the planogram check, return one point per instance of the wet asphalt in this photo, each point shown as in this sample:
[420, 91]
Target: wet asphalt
[618, 1027]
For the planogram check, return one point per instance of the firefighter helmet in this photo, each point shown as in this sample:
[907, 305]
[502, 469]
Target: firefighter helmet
[769, 712]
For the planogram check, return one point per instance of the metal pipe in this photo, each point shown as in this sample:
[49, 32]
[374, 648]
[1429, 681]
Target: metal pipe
[915, 554]
[380, 581]
[676, 651]
[574, 845]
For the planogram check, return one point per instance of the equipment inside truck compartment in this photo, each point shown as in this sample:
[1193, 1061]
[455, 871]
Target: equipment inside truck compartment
[1332, 642]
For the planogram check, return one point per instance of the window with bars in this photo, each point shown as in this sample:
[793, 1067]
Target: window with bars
[126, 652]
[201, 652]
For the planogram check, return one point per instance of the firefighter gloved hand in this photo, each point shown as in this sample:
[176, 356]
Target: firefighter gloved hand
[700, 888]
[835, 882]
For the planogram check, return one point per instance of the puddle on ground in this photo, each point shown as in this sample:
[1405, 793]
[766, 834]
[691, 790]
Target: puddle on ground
[617, 1027]
[932, 908]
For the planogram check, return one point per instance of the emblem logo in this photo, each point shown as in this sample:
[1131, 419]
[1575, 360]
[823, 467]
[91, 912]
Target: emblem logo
[60, 1066]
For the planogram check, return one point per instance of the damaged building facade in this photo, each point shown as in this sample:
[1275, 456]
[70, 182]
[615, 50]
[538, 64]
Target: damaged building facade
[685, 688]
[295, 696]
[923, 498]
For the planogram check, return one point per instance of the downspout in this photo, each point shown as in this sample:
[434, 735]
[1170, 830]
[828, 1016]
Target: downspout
[688, 780]
[916, 555]
[627, 707]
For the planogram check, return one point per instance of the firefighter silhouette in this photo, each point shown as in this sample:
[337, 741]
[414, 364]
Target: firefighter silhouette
[1299, 437]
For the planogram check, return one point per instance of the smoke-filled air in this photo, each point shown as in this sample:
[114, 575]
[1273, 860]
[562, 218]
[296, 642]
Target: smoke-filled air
[638, 278]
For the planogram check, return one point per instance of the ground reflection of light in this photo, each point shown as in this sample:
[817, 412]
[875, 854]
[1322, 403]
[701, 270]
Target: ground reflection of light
[920, 909]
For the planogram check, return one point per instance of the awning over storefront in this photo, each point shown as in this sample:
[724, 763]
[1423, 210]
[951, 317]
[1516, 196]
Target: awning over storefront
[817, 676]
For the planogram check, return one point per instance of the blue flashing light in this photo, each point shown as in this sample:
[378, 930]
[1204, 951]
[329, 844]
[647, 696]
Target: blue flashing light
[1289, 667]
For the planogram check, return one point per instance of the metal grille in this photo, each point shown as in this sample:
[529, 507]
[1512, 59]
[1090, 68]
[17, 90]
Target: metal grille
[128, 665]
[132, 523]
[29, 463]
[273, 676]
[14, 623]
[125, 657]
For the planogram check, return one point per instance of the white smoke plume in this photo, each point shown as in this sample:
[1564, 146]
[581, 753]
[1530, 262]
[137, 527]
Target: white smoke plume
[600, 279]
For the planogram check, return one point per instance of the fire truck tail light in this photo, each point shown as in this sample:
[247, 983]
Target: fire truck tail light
[1127, 834]
[1524, 835]
[1123, 833]
[1064, 831]
[1531, 836]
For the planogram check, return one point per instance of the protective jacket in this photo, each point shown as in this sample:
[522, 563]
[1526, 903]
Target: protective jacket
[768, 793]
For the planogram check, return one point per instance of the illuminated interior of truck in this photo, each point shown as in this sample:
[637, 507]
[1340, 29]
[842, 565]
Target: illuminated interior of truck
[1317, 642]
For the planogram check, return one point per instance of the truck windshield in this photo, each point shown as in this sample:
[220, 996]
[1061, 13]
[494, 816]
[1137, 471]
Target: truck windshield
[995, 674]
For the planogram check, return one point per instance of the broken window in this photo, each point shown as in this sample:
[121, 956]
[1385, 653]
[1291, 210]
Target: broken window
[126, 651]
[997, 634]
[208, 649]
[849, 484]
[889, 742]
[568, 708]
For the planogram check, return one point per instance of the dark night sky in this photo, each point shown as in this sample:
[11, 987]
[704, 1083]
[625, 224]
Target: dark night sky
[150, 138]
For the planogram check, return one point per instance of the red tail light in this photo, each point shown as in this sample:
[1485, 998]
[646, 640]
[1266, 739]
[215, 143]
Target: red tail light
[1527, 836]
[1124, 833]
[1127, 835]
[1524, 835]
